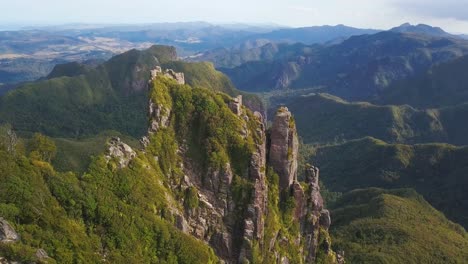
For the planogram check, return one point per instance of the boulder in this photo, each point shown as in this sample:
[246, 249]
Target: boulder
[7, 233]
[120, 151]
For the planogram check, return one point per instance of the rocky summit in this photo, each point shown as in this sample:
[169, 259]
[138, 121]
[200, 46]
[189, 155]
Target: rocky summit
[238, 235]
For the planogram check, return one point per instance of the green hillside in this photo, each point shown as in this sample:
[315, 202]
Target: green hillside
[79, 218]
[112, 96]
[443, 85]
[76, 154]
[395, 226]
[437, 171]
[323, 119]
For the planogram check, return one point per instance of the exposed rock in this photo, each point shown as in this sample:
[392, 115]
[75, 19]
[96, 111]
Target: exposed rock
[216, 220]
[120, 151]
[340, 257]
[41, 254]
[223, 242]
[325, 219]
[7, 233]
[254, 223]
[299, 198]
[284, 146]
[159, 116]
[6, 261]
[182, 224]
[178, 76]
[236, 105]
[315, 217]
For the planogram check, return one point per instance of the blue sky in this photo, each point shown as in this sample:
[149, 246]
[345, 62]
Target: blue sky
[452, 15]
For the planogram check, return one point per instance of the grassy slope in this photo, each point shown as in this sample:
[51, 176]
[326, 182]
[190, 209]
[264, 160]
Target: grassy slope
[395, 226]
[437, 171]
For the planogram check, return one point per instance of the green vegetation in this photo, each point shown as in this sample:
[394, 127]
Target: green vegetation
[76, 154]
[112, 96]
[278, 225]
[80, 218]
[395, 226]
[437, 171]
[443, 85]
[324, 119]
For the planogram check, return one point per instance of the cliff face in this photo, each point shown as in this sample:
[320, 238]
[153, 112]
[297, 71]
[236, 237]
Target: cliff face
[233, 212]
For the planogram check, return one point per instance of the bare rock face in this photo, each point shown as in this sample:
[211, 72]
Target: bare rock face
[300, 201]
[315, 217]
[120, 151]
[178, 76]
[7, 233]
[236, 105]
[159, 116]
[41, 254]
[254, 222]
[284, 146]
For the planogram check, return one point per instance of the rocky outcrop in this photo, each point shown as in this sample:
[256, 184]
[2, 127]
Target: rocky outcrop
[236, 105]
[41, 254]
[177, 76]
[284, 146]
[311, 223]
[119, 151]
[233, 229]
[7, 233]
[254, 222]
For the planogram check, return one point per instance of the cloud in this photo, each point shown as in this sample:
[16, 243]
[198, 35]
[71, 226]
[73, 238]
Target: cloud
[448, 9]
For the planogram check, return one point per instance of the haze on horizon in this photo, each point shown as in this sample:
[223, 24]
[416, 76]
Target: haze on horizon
[451, 15]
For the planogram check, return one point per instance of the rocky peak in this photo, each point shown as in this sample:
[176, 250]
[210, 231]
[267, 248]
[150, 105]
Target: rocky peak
[120, 151]
[7, 233]
[284, 146]
[178, 76]
[233, 221]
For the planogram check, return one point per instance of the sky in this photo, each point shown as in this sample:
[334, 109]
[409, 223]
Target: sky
[451, 15]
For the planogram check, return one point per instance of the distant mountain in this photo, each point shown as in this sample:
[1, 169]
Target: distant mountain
[358, 68]
[254, 51]
[445, 84]
[436, 171]
[395, 226]
[313, 35]
[422, 29]
[266, 46]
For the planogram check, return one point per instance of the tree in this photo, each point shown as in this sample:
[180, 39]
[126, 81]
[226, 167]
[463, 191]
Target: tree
[43, 148]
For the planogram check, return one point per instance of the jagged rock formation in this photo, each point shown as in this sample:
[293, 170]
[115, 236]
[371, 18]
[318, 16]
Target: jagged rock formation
[179, 77]
[7, 233]
[236, 105]
[119, 151]
[229, 216]
[284, 145]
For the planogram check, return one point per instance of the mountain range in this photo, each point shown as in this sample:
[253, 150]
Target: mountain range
[145, 157]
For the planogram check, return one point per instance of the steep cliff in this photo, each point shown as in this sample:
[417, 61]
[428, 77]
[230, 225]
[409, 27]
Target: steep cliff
[232, 201]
